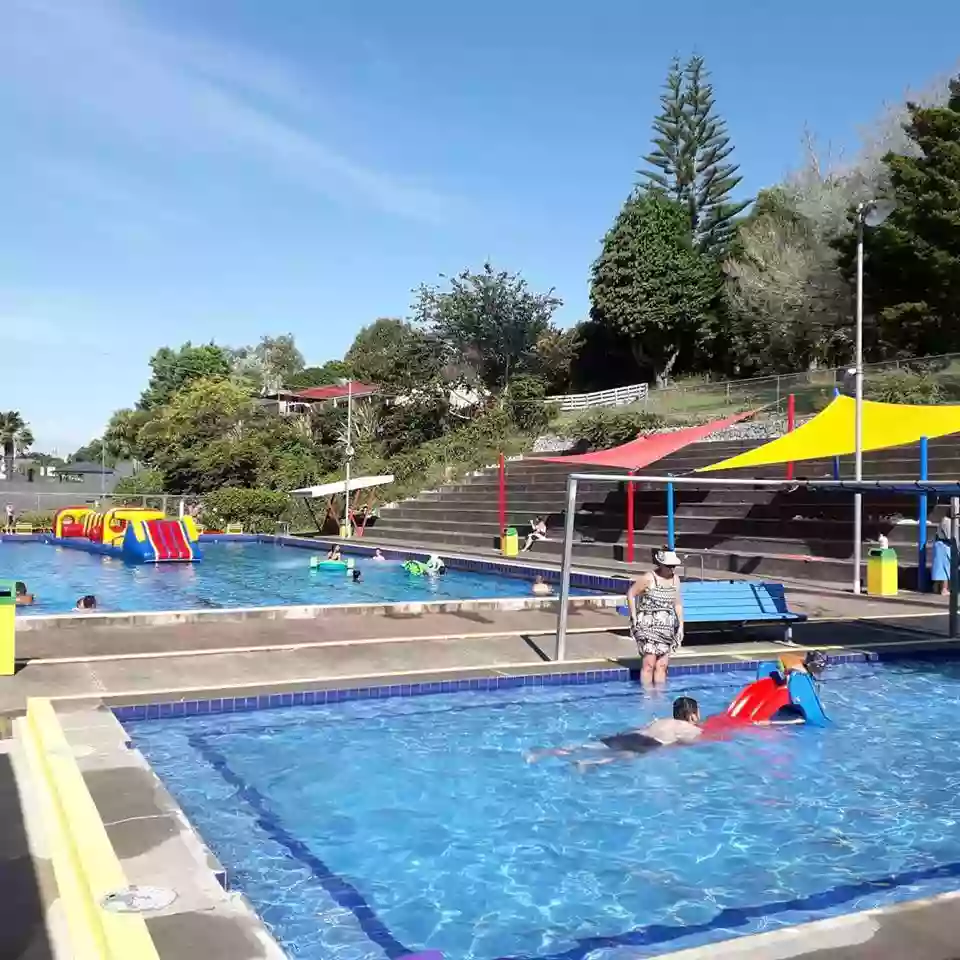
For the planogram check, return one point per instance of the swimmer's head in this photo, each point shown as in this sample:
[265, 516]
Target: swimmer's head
[686, 708]
[816, 662]
[356, 576]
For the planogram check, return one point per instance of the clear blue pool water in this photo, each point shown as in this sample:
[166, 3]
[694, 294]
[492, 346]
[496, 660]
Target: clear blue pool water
[376, 828]
[229, 575]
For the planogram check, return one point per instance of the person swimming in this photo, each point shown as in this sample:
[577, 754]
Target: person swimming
[334, 552]
[24, 599]
[683, 728]
[540, 587]
[87, 602]
[357, 576]
[378, 554]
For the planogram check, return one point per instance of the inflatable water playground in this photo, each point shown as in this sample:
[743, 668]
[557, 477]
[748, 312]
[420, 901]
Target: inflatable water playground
[134, 534]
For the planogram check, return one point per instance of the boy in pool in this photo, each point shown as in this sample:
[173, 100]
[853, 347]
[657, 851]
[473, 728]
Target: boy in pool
[683, 727]
[813, 662]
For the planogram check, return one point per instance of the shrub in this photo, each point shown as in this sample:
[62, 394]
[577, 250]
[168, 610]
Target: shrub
[603, 428]
[142, 482]
[256, 508]
[524, 404]
[41, 519]
[902, 386]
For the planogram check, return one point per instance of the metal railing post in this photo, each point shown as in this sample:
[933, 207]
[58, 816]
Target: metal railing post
[954, 563]
[568, 522]
[922, 520]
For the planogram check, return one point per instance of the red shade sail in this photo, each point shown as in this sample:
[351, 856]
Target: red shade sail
[645, 450]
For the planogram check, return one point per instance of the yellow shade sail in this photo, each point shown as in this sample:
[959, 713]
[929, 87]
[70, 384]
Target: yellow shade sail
[831, 433]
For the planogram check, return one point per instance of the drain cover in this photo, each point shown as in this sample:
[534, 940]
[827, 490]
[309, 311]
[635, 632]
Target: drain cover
[134, 899]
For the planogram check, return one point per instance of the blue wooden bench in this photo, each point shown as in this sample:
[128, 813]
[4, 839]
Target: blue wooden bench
[737, 602]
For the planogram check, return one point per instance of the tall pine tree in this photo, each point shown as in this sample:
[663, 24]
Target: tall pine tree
[691, 157]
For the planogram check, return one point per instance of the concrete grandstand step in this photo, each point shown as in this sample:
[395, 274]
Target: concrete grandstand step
[606, 526]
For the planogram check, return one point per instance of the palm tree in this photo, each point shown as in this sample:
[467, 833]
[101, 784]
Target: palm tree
[15, 438]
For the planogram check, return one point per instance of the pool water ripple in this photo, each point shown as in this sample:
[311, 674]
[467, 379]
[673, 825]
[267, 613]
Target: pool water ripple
[366, 829]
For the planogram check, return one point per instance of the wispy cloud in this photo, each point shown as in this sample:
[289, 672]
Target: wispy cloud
[95, 64]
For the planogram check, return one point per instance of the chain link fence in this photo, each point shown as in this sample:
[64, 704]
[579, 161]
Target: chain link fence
[813, 389]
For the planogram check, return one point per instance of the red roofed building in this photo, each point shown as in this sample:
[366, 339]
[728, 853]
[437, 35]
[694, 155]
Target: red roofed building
[291, 402]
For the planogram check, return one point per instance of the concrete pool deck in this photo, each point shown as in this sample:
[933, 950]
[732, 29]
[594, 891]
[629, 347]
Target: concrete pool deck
[188, 660]
[83, 668]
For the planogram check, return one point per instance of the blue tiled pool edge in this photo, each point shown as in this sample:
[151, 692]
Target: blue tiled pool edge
[170, 709]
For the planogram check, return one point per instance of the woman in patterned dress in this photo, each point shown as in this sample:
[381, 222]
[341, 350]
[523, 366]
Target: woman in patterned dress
[656, 615]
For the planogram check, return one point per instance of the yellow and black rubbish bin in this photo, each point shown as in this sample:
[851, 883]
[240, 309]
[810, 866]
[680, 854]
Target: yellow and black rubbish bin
[882, 572]
[510, 542]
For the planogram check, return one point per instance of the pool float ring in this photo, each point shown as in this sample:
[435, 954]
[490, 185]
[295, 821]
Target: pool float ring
[415, 567]
[338, 566]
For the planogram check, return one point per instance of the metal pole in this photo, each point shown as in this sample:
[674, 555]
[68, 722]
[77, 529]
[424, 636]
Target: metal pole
[349, 453]
[565, 564]
[791, 421]
[671, 518]
[922, 521]
[836, 460]
[502, 497]
[858, 412]
[629, 522]
[954, 563]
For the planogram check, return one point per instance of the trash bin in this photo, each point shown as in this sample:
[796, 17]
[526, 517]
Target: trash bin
[882, 572]
[8, 612]
[510, 542]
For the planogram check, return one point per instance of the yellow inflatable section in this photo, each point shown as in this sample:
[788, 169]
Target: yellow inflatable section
[831, 433]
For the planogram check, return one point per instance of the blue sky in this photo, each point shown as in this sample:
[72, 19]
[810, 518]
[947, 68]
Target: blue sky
[197, 169]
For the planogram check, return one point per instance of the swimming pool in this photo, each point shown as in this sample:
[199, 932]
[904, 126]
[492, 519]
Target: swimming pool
[244, 574]
[376, 828]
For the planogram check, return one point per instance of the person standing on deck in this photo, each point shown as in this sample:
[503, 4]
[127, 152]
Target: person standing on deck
[656, 615]
[940, 572]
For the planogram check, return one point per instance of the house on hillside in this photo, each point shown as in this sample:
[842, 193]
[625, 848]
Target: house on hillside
[295, 402]
[290, 403]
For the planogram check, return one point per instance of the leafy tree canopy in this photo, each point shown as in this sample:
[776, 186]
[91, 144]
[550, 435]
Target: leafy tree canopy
[271, 364]
[171, 370]
[331, 372]
[912, 268]
[491, 319]
[652, 286]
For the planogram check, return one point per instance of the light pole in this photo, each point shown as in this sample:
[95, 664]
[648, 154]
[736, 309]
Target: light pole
[348, 455]
[869, 214]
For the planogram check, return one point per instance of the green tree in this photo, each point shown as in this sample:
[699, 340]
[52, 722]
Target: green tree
[271, 364]
[789, 303]
[554, 355]
[331, 372]
[171, 370]
[397, 357]
[691, 157]
[491, 320]
[652, 286]
[15, 437]
[93, 452]
[123, 431]
[912, 270]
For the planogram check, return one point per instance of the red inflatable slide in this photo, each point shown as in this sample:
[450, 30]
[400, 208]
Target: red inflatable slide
[756, 703]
